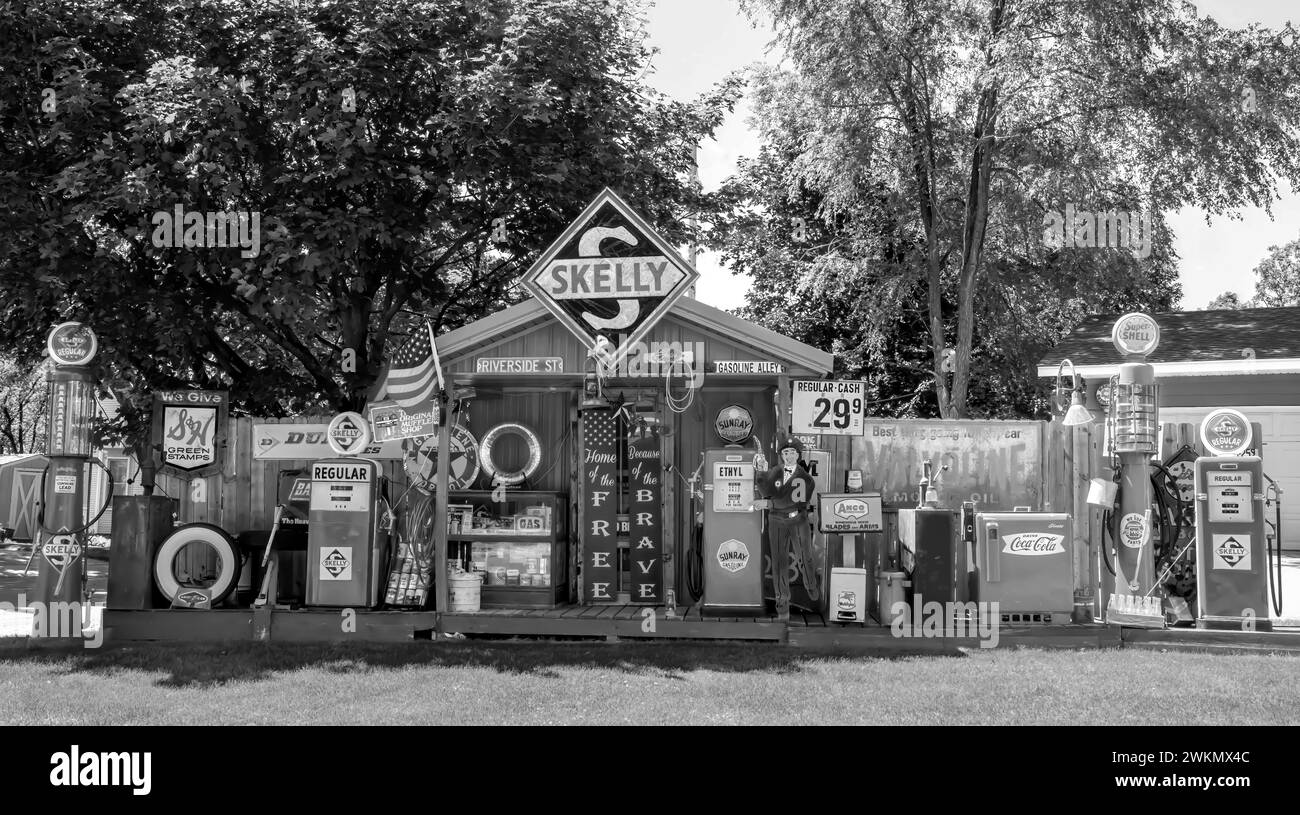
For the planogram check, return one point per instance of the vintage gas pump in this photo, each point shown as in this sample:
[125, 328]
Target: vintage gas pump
[733, 535]
[929, 535]
[1230, 547]
[347, 537]
[1135, 436]
[72, 347]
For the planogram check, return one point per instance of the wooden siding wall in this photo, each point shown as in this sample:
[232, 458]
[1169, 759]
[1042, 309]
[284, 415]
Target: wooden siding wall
[244, 496]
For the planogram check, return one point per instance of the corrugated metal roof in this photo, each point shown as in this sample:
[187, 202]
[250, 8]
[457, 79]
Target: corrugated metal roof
[12, 457]
[517, 318]
[1218, 341]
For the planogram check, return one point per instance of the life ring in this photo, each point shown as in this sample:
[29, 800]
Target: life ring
[164, 561]
[489, 442]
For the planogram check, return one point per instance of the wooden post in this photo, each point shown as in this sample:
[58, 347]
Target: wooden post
[782, 410]
[1077, 496]
[440, 508]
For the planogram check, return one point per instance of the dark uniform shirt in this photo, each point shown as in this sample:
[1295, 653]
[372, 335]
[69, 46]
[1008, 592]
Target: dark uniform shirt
[782, 490]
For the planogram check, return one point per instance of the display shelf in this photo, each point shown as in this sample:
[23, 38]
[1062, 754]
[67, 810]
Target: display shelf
[519, 547]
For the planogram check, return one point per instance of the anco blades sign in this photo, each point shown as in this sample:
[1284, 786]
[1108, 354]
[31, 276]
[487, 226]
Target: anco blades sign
[610, 277]
[1135, 334]
[850, 512]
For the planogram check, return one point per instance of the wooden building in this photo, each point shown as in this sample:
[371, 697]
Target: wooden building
[523, 366]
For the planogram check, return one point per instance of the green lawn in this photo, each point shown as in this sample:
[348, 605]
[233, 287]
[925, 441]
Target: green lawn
[539, 683]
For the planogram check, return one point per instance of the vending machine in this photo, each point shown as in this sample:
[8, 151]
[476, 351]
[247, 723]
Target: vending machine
[347, 546]
[1024, 564]
[733, 535]
[1231, 559]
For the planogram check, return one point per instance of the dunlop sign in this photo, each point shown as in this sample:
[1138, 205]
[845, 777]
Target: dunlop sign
[851, 512]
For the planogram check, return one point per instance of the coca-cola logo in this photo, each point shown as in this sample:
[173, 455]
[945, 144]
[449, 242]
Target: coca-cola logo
[1033, 543]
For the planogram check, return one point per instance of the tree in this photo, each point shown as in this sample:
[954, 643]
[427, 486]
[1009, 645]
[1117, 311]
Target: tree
[1277, 280]
[24, 396]
[859, 299]
[1229, 299]
[403, 158]
[967, 128]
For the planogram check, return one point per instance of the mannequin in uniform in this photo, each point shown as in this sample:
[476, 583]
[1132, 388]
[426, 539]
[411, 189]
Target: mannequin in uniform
[787, 491]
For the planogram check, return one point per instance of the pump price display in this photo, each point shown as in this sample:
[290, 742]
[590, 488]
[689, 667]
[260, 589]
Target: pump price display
[338, 487]
[833, 408]
[733, 487]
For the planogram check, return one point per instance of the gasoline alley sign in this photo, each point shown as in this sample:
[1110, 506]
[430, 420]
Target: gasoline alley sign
[610, 277]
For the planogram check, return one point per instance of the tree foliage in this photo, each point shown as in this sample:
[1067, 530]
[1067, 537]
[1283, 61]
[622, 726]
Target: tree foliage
[1277, 281]
[933, 141]
[24, 396]
[1229, 300]
[405, 157]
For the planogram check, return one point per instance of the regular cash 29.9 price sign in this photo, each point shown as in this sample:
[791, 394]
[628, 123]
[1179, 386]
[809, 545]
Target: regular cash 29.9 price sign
[829, 408]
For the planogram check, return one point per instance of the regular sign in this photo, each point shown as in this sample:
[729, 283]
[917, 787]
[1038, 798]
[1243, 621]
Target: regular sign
[832, 408]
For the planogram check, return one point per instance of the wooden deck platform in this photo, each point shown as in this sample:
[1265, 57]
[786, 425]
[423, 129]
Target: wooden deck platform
[620, 623]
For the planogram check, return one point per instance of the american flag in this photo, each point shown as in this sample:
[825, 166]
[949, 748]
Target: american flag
[414, 370]
[600, 428]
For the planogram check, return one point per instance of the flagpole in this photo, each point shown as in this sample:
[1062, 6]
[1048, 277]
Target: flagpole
[437, 363]
[441, 485]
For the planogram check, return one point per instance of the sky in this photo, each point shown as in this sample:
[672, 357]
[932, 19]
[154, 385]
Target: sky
[701, 41]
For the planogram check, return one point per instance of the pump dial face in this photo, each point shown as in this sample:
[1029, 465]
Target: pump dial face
[1103, 394]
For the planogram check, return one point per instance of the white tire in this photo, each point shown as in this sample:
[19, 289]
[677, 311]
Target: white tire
[489, 442]
[164, 572]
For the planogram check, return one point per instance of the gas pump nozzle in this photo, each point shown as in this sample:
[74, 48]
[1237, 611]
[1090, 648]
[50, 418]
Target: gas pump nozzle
[270, 539]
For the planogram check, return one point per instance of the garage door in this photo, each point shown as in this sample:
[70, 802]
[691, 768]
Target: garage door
[1281, 454]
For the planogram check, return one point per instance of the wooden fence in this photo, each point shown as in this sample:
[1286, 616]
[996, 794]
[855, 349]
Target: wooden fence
[243, 497]
[1072, 457]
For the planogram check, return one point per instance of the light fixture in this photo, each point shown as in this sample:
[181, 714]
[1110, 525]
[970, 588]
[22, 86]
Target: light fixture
[1077, 414]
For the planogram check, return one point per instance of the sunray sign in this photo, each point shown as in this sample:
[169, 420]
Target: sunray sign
[610, 277]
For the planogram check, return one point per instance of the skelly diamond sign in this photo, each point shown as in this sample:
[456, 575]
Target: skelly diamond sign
[610, 277]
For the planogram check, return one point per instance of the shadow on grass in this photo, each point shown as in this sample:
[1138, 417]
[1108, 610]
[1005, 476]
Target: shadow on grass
[205, 665]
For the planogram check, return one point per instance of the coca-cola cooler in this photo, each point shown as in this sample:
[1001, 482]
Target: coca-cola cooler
[1025, 564]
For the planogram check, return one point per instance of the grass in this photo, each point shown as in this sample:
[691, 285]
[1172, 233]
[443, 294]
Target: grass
[663, 683]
